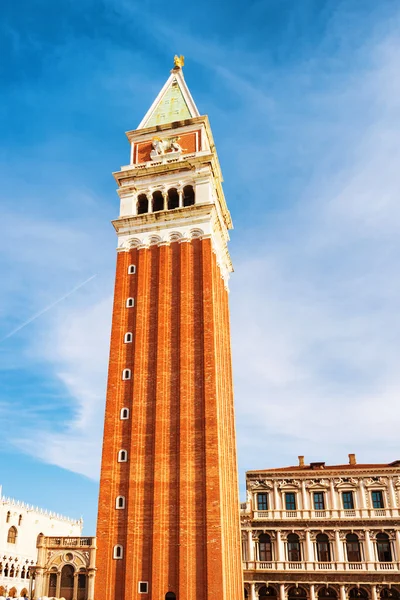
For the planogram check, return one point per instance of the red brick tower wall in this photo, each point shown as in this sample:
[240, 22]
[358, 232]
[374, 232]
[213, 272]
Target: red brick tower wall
[180, 527]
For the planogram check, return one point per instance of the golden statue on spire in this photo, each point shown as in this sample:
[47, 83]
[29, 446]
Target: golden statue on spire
[179, 61]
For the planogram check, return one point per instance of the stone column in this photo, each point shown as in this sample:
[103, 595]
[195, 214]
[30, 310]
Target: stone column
[75, 592]
[253, 595]
[58, 586]
[280, 550]
[361, 497]
[165, 196]
[134, 205]
[309, 550]
[305, 496]
[180, 192]
[338, 548]
[150, 202]
[343, 595]
[90, 584]
[398, 545]
[282, 593]
[312, 592]
[333, 495]
[368, 549]
[277, 502]
[39, 582]
[374, 595]
[392, 496]
[250, 545]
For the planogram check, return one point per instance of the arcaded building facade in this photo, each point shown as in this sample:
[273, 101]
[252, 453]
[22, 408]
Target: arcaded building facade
[315, 531]
[168, 520]
[20, 526]
[65, 567]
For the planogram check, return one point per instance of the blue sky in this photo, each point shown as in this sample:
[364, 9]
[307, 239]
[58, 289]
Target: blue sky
[303, 98]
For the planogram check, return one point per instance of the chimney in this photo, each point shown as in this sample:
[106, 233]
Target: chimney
[301, 461]
[352, 459]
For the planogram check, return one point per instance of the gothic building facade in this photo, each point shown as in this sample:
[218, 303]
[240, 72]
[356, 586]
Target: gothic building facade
[322, 532]
[20, 526]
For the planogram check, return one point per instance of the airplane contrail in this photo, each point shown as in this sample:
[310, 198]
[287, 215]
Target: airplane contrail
[41, 312]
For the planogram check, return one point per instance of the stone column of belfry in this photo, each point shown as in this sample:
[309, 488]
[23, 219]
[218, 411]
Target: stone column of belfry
[177, 535]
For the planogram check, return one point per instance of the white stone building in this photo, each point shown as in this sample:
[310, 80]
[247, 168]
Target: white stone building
[322, 532]
[20, 526]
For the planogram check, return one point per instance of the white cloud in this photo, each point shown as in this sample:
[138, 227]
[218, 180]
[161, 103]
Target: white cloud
[316, 337]
[314, 297]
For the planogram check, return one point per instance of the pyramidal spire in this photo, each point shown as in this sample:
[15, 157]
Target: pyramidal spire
[174, 102]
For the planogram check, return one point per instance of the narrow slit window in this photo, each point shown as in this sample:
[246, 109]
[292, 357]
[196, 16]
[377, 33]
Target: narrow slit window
[143, 587]
[122, 456]
[118, 551]
[124, 414]
[130, 302]
[120, 502]
[131, 269]
[126, 374]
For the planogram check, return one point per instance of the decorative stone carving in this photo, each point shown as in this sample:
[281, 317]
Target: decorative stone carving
[317, 483]
[169, 146]
[288, 483]
[260, 484]
[375, 481]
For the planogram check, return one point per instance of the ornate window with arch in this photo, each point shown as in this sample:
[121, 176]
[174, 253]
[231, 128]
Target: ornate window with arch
[188, 195]
[158, 201]
[383, 548]
[128, 338]
[12, 535]
[323, 548]
[173, 199]
[52, 584]
[131, 269]
[130, 302]
[357, 592]
[67, 582]
[265, 548]
[266, 591]
[142, 204]
[327, 592]
[293, 548]
[296, 592]
[118, 552]
[353, 548]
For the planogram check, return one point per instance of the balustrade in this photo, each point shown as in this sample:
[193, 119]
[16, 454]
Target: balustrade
[325, 514]
[318, 566]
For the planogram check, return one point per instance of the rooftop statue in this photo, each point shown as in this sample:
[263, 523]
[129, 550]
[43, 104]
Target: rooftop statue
[179, 61]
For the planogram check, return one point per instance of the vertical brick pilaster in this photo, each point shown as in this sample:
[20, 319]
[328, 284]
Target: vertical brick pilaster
[180, 529]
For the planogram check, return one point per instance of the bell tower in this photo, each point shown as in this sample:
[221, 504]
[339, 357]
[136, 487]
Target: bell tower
[168, 519]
